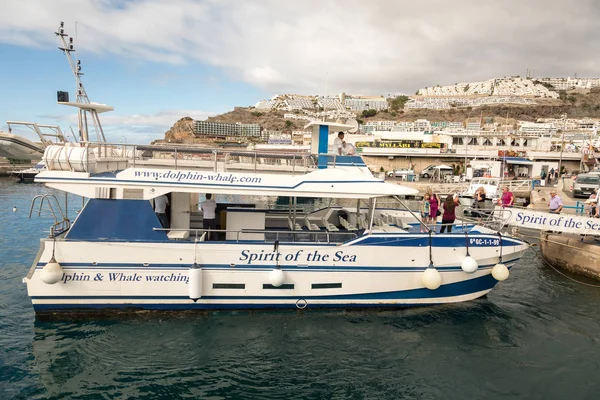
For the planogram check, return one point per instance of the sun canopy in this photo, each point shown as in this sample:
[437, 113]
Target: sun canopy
[338, 182]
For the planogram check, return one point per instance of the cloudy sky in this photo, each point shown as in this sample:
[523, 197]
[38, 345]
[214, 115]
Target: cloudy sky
[156, 61]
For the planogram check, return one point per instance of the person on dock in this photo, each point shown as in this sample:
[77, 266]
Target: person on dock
[449, 215]
[593, 202]
[209, 220]
[160, 209]
[555, 205]
[425, 211]
[507, 199]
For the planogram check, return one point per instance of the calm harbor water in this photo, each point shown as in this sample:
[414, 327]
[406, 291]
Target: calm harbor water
[536, 336]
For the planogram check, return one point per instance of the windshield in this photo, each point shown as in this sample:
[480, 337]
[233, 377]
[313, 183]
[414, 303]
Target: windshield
[588, 179]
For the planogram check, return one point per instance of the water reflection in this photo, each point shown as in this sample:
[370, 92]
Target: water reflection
[263, 353]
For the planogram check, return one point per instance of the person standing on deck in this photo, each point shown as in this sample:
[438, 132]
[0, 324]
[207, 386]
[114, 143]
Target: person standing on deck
[160, 209]
[209, 217]
[449, 215]
[434, 207]
[425, 211]
[478, 203]
[338, 144]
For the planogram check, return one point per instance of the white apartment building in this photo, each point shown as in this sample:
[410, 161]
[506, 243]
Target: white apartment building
[422, 125]
[473, 126]
[362, 104]
[572, 83]
[404, 127]
[456, 125]
[536, 128]
[205, 128]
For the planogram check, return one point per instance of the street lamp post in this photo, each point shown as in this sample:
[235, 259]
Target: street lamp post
[562, 145]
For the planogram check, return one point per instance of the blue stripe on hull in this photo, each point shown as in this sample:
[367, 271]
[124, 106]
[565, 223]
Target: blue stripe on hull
[261, 267]
[480, 284]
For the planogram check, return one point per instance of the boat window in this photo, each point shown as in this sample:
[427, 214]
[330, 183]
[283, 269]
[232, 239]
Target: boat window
[284, 286]
[229, 286]
[326, 286]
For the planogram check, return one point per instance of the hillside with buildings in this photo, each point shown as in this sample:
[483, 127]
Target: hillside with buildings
[287, 114]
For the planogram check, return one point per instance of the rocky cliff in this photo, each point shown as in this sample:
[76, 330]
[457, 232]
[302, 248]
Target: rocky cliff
[181, 131]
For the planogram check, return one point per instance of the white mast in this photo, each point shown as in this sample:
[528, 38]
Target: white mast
[87, 109]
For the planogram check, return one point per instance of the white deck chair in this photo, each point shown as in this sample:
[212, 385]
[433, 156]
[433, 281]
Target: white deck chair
[401, 223]
[362, 222]
[379, 222]
[329, 226]
[347, 225]
[310, 225]
[293, 227]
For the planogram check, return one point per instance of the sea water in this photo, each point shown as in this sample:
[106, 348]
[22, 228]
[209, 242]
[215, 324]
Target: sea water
[535, 336]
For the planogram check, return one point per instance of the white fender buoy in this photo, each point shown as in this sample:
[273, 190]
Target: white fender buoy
[195, 284]
[52, 272]
[500, 272]
[431, 278]
[469, 265]
[276, 277]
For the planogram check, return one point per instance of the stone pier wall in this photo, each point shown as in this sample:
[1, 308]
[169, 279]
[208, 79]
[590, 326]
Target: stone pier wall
[572, 252]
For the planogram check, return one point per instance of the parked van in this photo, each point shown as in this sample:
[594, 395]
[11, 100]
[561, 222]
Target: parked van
[585, 184]
[436, 170]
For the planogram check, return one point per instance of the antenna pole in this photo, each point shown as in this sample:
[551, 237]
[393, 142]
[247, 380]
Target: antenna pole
[68, 48]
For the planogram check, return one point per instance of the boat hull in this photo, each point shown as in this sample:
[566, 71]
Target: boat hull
[19, 148]
[236, 276]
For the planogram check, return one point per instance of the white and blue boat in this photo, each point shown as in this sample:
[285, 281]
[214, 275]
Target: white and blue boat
[357, 246]
[360, 248]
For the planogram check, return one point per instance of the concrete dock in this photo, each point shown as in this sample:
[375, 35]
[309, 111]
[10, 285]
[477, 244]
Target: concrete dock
[574, 253]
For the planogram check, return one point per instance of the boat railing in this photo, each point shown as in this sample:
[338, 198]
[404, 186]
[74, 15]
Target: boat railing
[449, 188]
[187, 157]
[495, 218]
[270, 235]
[61, 221]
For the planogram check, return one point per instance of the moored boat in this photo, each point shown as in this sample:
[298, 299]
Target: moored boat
[355, 244]
[116, 254]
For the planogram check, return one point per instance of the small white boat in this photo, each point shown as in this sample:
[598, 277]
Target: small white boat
[29, 174]
[492, 187]
[17, 147]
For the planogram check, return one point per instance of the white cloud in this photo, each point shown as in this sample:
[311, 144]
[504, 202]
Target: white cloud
[373, 47]
[134, 128]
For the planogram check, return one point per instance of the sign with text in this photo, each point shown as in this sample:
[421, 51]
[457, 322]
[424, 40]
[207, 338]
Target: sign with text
[401, 144]
[545, 221]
